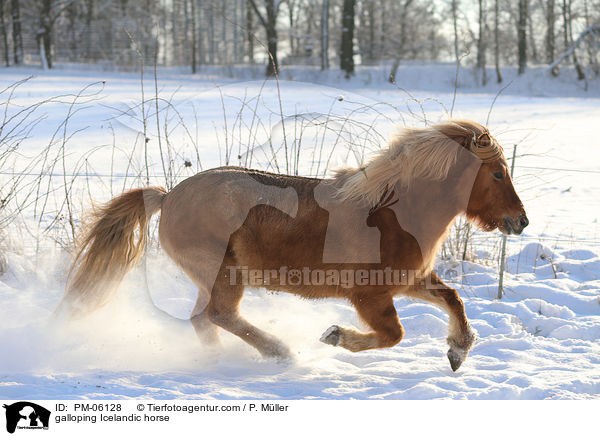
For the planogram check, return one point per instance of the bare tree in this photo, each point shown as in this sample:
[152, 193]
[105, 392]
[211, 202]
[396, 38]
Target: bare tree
[497, 42]
[269, 22]
[196, 32]
[593, 31]
[403, 39]
[17, 36]
[533, 52]
[481, 44]
[454, 8]
[382, 29]
[347, 47]
[224, 50]
[592, 48]
[200, 12]
[250, 32]
[239, 17]
[49, 12]
[291, 6]
[44, 35]
[211, 34]
[568, 37]
[89, 18]
[522, 35]
[3, 34]
[369, 10]
[176, 27]
[325, 35]
[194, 26]
[550, 33]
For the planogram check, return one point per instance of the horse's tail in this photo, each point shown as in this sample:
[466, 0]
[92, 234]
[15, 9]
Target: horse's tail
[109, 248]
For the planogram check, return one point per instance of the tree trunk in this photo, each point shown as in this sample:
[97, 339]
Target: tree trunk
[394, 70]
[293, 48]
[273, 64]
[194, 47]
[3, 34]
[592, 48]
[202, 34]
[44, 36]
[371, 11]
[568, 36]
[594, 30]
[325, 36]
[497, 43]
[164, 40]
[481, 45]
[250, 33]
[211, 35]
[269, 22]
[186, 30]
[402, 49]
[71, 31]
[236, 29]
[550, 36]
[522, 36]
[454, 6]
[224, 52]
[110, 38]
[47, 44]
[16, 33]
[173, 31]
[533, 48]
[89, 18]
[307, 48]
[347, 47]
[382, 29]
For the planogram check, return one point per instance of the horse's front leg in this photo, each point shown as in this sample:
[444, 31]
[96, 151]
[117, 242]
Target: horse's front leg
[460, 335]
[378, 311]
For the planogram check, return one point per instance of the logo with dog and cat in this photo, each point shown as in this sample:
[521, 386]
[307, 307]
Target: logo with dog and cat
[25, 415]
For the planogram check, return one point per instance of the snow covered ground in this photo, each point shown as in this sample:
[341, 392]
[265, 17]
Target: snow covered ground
[542, 340]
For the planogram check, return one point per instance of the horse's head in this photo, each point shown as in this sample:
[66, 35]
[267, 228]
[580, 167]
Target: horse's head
[493, 203]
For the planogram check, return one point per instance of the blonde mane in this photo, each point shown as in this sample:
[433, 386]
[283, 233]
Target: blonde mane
[427, 153]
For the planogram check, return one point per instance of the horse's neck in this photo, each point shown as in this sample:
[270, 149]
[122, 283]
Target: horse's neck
[426, 211]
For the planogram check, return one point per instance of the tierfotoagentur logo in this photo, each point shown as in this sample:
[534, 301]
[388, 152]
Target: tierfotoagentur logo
[26, 415]
[344, 278]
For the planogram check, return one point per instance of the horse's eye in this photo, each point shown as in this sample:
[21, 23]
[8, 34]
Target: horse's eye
[499, 175]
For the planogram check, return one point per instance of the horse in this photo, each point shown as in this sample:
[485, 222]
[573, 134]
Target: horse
[365, 235]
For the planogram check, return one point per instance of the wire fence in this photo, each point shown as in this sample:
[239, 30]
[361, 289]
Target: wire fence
[187, 172]
[162, 175]
[59, 219]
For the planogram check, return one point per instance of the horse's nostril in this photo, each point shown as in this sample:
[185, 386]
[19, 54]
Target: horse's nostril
[523, 221]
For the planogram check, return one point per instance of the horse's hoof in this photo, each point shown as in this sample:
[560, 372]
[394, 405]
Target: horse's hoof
[285, 359]
[280, 353]
[331, 335]
[456, 358]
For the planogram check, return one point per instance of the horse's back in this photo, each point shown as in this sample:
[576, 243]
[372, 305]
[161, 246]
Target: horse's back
[200, 215]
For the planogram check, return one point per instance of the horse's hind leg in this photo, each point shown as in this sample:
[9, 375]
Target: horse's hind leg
[460, 335]
[378, 311]
[223, 310]
[206, 330]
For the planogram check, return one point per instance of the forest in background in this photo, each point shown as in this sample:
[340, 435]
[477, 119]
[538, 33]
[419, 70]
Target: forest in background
[322, 33]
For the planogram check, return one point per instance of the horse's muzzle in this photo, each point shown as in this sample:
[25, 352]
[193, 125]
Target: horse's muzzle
[515, 226]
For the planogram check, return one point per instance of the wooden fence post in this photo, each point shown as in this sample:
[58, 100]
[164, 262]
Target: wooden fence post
[503, 251]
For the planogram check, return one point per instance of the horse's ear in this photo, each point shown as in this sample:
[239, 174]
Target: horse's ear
[4, 405]
[483, 140]
[458, 134]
